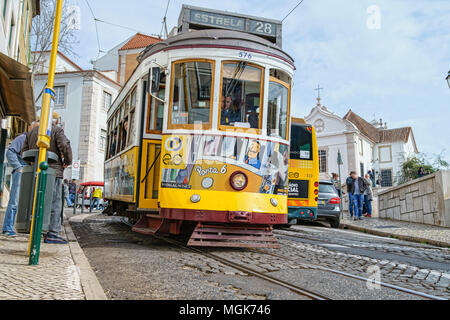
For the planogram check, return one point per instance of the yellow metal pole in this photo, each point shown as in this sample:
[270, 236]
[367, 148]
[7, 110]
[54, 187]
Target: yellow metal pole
[46, 118]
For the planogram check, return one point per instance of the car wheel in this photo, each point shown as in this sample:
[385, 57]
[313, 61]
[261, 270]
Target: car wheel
[334, 223]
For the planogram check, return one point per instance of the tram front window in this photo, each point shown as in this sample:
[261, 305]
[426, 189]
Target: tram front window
[278, 109]
[191, 90]
[241, 95]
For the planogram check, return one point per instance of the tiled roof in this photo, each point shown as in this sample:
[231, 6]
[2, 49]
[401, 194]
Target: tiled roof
[392, 135]
[139, 41]
[366, 128]
[378, 135]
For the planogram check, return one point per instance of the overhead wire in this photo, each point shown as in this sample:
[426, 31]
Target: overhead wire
[164, 22]
[292, 10]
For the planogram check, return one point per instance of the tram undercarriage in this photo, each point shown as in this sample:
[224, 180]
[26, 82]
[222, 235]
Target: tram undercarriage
[206, 228]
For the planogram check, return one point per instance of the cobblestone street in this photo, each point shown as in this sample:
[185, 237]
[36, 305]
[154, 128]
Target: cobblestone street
[133, 266]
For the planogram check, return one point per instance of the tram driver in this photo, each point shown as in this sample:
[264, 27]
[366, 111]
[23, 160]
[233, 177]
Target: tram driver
[231, 111]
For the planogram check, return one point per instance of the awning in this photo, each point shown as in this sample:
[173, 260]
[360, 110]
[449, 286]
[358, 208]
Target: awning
[16, 90]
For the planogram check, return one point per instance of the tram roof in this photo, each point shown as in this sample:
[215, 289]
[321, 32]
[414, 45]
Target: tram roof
[216, 38]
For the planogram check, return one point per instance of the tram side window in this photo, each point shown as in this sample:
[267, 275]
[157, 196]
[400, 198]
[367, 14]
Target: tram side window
[191, 93]
[278, 104]
[241, 95]
[113, 137]
[156, 108]
[132, 126]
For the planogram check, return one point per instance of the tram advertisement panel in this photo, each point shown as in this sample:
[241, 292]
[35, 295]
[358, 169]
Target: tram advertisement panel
[202, 162]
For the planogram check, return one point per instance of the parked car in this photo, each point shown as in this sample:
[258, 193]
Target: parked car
[329, 203]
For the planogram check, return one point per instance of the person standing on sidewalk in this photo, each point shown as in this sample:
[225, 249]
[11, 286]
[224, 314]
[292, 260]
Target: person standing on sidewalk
[96, 196]
[368, 196]
[16, 162]
[357, 188]
[60, 145]
[349, 182]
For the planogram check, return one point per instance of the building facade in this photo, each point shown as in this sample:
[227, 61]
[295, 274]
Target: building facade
[82, 101]
[363, 146]
[121, 61]
[16, 91]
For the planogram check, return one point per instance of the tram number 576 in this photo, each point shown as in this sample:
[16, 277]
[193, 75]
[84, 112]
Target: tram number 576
[245, 55]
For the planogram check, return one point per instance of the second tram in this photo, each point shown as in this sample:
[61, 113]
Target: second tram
[198, 138]
[303, 172]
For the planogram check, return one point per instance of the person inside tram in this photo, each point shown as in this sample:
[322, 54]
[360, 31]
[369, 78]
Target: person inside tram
[124, 134]
[231, 111]
[113, 144]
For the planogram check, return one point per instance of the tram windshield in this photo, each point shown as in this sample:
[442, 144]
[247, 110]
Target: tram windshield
[241, 95]
[301, 143]
[278, 109]
[192, 100]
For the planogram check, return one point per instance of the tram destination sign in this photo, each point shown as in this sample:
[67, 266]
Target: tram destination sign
[201, 18]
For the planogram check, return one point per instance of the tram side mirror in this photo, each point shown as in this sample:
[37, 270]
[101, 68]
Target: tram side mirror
[154, 79]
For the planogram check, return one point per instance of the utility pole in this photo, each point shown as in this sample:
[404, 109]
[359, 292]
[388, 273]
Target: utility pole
[43, 143]
[339, 162]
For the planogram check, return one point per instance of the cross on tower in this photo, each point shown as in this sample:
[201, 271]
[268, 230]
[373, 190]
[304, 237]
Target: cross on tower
[318, 91]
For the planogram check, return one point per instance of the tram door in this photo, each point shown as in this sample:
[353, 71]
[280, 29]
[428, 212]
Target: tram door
[151, 151]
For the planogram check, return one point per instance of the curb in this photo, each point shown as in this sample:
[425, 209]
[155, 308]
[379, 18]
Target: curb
[91, 286]
[397, 236]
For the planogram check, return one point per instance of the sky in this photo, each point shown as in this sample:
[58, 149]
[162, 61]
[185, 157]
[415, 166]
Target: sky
[381, 58]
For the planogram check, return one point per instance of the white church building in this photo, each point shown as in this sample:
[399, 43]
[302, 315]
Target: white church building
[363, 146]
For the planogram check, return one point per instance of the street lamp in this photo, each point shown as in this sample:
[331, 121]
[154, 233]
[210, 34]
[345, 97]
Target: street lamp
[448, 79]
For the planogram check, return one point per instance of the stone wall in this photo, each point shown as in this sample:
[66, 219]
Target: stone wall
[425, 200]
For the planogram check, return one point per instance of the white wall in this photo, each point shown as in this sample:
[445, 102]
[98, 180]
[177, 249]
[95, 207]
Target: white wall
[71, 113]
[13, 11]
[62, 64]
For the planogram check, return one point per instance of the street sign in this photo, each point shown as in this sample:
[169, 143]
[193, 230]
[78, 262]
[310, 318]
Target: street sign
[202, 18]
[76, 169]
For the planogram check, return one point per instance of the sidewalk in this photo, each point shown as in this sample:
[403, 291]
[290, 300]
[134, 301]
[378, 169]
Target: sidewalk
[422, 233]
[63, 272]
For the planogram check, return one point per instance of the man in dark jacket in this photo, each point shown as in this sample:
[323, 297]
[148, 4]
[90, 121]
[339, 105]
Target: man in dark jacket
[349, 182]
[357, 188]
[60, 145]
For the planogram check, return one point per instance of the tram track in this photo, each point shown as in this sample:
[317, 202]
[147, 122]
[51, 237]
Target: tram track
[415, 260]
[299, 290]
[353, 276]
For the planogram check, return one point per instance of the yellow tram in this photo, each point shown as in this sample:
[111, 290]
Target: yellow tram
[198, 138]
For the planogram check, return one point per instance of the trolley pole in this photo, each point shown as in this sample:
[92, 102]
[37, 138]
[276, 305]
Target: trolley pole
[46, 121]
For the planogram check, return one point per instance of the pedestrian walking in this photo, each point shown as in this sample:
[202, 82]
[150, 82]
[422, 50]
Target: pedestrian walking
[72, 190]
[368, 196]
[96, 196]
[69, 202]
[357, 187]
[60, 145]
[336, 182]
[16, 162]
[349, 182]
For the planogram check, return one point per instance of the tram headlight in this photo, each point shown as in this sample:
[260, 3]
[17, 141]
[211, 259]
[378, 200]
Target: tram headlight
[207, 182]
[274, 202]
[195, 198]
[238, 181]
